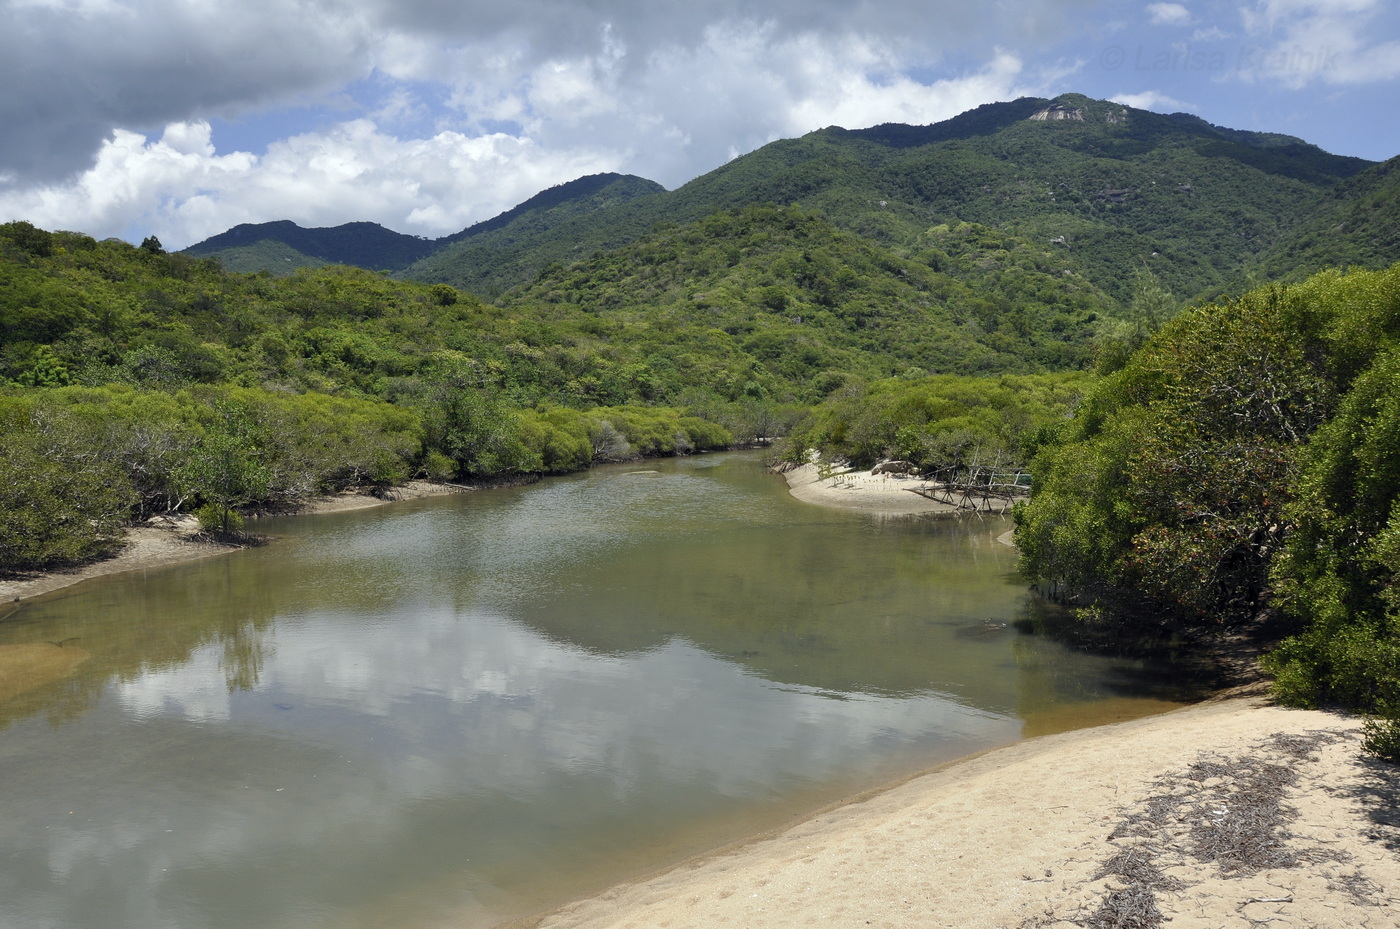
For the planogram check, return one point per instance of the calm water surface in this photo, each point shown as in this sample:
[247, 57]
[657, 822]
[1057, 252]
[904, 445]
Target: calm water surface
[462, 710]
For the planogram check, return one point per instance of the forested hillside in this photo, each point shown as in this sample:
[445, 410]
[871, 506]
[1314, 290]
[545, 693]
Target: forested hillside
[812, 305]
[1357, 224]
[1119, 190]
[137, 382]
[1243, 469]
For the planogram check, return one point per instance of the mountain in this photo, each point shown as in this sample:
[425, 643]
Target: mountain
[1357, 224]
[282, 247]
[1124, 190]
[1120, 190]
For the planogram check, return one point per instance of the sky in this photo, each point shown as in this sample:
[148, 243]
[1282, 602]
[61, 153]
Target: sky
[184, 118]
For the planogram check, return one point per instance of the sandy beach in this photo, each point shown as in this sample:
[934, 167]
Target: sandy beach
[885, 494]
[1231, 813]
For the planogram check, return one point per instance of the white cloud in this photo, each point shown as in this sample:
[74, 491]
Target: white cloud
[1168, 14]
[72, 71]
[1153, 100]
[180, 188]
[1295, 43]
[669, 115]
[848, 96]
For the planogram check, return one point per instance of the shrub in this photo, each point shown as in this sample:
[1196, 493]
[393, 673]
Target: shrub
[57, 506]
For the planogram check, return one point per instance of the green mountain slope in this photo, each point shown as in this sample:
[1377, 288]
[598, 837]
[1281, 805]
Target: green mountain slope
[281, 247]
[269, 254]
[1358, 224]
[811, 304]
[1123, 189]
[564, 223]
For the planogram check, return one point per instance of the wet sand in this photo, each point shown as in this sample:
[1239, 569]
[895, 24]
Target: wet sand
[884, 494]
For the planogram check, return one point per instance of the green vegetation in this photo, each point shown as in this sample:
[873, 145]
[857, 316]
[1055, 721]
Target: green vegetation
[1356, 225]
[940, 422]
[562, 224]
[141, 382]
[797, 299]
[1243, 466]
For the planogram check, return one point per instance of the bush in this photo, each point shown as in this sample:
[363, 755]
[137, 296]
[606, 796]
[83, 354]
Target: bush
[1164, 500]
[438, 467]
[218, 519]
[57, 507]
[1381, 737]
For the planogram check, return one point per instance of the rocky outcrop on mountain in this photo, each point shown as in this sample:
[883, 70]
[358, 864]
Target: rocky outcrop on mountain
[1056, 111]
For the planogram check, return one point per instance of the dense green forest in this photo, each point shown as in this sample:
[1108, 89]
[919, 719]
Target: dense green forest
[1243, 468]
[812, 304]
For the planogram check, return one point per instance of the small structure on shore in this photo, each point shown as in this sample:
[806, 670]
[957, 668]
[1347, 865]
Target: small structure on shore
[977, 488]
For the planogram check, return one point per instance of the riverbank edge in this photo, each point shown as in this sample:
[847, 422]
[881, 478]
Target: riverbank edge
[1022, 836]
[866, 491]
[176, 540]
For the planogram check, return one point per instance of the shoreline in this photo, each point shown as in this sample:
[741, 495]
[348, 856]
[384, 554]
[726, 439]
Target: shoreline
[1026, 835]
[868, 492]
[166, 540]
[1034, 835]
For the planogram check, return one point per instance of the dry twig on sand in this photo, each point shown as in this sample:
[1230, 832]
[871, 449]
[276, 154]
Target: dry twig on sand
[1226, 812]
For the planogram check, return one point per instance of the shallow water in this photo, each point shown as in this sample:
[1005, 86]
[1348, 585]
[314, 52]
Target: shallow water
[467, 709]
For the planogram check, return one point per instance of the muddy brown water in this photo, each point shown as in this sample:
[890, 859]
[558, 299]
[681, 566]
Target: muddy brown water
[463, 710]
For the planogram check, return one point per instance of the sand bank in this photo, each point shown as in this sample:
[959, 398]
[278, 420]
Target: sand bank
[1231, 813]
[168, 541]
[885, 494]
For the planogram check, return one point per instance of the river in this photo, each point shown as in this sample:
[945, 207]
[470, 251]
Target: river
[462, 710]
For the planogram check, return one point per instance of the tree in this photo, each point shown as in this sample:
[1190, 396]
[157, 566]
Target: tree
[478, 432]
[225, 469]
[1151, 307]
[608, 443]
[1340, 571]
[1180, 465]
[60, 503]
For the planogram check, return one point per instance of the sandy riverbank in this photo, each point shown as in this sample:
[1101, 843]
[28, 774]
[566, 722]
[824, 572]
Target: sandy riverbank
[885, 494]
[1189, 815]
[1232, 813]
[168, 541]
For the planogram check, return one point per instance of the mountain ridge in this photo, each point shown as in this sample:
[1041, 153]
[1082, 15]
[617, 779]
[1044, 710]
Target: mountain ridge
[1201, 206]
